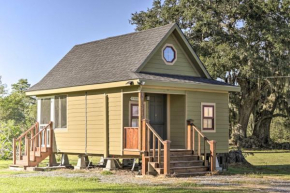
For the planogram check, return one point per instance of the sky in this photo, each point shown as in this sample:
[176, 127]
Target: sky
[35, 35]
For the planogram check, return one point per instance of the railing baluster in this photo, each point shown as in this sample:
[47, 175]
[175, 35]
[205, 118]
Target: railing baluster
[193, 141]
[154, 142]
[19, 145]
[204, 149]
[45, 139]
[159, 153]
[40, 141]
[148, 141]
[199, 148]
[144, 135]
[27, 149]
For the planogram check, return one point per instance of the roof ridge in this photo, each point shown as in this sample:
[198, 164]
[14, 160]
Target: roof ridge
[111, 37]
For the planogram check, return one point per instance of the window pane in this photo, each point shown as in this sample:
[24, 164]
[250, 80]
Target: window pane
[134, 123]
[56, 112]
[207, 124]
[63, 112]
[208, 111]
[45, 111]
[168, 54]
[60, 112]
[135, 110]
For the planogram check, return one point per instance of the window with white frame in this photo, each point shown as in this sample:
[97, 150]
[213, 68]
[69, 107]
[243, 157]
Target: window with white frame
[208, 116]
[60, 109]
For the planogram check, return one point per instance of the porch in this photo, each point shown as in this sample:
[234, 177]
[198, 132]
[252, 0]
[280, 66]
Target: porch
[157, 129]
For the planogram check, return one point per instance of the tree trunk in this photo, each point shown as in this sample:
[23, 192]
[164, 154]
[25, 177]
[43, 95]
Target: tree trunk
[263, 119]
[262, 130]
[245, 111]
[249, 96]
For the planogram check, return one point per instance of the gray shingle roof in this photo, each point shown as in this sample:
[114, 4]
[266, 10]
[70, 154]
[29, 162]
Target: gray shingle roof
[108, 60]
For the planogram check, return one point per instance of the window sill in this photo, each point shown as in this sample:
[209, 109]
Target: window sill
[208, 131]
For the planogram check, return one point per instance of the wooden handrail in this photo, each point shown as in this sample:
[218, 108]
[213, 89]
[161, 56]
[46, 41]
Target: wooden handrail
[191, 145]
[147, 129]
[155, 133]
[32, 142]
[26, 132]
[41, 130]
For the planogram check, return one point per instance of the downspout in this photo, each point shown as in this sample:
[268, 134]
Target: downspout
[86, 120]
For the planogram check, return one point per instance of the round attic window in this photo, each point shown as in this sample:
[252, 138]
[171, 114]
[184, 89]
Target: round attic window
[169, 54]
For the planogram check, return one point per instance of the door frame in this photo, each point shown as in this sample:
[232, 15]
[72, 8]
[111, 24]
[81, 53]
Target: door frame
[51, 114]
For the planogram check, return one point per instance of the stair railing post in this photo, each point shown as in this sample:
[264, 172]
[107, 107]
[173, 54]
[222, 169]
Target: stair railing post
[189, 137]
[166, 157]
[212, 155]
[159, 153]
[14, 151]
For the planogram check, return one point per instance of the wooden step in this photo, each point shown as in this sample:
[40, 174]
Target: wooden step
[174, 152]
[184, 163]
[191, 174]
[177, 170]
[182, 157]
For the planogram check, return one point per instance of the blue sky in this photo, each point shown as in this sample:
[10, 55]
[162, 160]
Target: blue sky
[35, 35]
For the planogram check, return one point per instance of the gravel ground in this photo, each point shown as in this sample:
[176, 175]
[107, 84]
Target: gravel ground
[218, 182]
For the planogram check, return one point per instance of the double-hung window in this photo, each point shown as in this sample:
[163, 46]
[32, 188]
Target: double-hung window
[208, 116]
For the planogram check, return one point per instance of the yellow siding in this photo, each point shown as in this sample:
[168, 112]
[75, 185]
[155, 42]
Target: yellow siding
[194, 100]
[72, 140]
[177, 121]
[95, 123]
[114, 123]
[182, 65]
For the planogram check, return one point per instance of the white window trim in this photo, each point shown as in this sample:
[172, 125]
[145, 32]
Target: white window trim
[56, 128]
[169, 63]
[201, 123]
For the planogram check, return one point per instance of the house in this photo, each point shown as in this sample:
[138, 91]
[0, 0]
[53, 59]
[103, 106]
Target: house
[139, 95]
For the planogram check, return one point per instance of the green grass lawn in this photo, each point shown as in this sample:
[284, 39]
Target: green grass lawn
[264, 163]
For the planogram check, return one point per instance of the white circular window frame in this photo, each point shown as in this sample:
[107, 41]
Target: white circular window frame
[163, 58]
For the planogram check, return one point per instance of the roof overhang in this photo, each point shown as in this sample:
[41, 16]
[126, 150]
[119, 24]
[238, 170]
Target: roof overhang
[196, 86]
[191, 86]
[82, 88]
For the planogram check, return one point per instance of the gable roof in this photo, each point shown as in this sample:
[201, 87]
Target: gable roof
[108, 60]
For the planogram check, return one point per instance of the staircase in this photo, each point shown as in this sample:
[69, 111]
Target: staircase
[182, 163]
[33, 146]
[176, 162]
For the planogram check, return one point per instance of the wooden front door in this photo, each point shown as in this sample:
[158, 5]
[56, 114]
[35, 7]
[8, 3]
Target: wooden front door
[157, 114]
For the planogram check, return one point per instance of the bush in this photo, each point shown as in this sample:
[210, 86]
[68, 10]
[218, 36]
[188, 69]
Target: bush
[8, 131]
